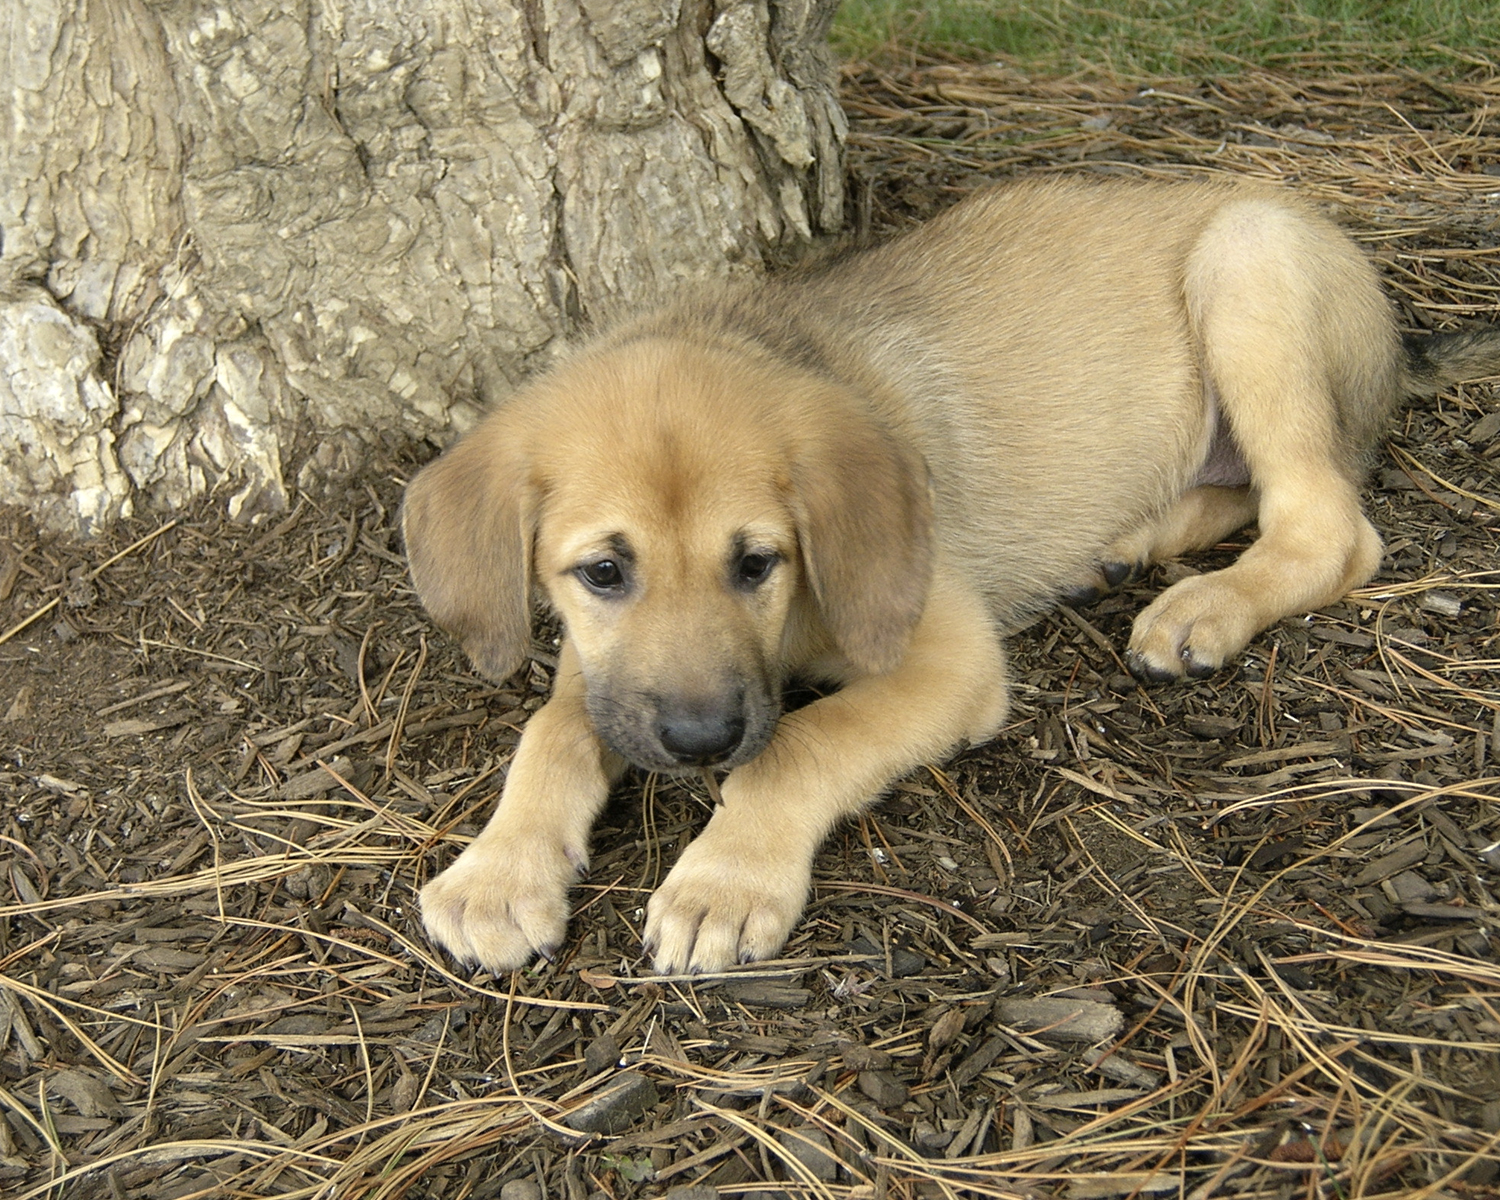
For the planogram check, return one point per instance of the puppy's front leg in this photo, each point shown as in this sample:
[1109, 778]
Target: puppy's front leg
[505, 898]
[739, 887]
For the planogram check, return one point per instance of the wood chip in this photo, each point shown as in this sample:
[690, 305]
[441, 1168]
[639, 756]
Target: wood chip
[1063, 1020]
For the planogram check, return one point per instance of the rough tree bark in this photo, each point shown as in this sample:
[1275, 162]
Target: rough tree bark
[247, 241]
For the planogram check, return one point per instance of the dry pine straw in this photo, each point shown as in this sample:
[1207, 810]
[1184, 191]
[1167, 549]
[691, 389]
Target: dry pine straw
[1265, 901]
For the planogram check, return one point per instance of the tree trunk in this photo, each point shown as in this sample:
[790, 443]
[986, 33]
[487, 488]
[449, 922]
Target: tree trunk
[248, 241]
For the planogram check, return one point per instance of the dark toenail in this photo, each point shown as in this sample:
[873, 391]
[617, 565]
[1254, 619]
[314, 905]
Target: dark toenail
[1082, 594]
[1147, 672]
[1116, 573]
[1196, 669]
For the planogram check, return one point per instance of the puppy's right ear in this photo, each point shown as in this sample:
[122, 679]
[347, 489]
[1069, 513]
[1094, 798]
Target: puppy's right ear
[467, 521]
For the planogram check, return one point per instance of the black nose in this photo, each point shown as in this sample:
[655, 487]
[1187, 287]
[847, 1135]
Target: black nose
[701, 735]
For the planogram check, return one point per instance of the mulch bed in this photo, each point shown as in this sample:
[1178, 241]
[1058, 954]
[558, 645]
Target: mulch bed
[1233, 938]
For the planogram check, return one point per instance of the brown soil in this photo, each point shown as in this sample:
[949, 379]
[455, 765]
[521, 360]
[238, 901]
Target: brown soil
[229, 756]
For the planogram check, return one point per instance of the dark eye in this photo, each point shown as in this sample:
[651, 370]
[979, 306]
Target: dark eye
[753, 569]
[606, 575]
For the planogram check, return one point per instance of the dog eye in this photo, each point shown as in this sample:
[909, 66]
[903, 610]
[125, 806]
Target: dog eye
[753, 569]
[606, 575]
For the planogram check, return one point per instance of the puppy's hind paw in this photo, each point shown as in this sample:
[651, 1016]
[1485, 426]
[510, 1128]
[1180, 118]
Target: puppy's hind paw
[1191, 630]
[1104, 579]
[1149, 672]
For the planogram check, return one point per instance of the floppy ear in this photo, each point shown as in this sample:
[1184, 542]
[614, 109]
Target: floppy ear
[864, 517]
[467, 523]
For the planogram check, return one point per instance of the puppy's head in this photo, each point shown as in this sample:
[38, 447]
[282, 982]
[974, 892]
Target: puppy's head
[702, 519]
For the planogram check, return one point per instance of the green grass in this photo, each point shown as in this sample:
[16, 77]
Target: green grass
[1174, 37]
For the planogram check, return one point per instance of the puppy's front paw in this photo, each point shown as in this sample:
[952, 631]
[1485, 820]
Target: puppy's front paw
[503, 901]
[726, 901]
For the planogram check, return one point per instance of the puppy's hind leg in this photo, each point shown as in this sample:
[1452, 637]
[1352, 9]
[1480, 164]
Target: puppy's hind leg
[1258, 289]
[1199, 519]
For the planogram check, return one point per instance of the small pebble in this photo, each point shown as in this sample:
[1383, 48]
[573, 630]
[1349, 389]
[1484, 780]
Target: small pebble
[884, 1088]
[602, 1054]
[813, 1149]
[692, 1191]
[621, 1102]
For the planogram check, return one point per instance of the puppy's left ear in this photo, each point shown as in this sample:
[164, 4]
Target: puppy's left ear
[863, 507]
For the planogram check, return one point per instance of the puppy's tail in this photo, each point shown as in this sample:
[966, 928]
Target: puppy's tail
[1433, 361]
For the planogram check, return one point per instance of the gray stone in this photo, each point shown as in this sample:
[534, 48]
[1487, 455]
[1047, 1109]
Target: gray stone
[616, 1105]
[884, 1088]
[693, 1191]
[602, 1054]
[813, 1149]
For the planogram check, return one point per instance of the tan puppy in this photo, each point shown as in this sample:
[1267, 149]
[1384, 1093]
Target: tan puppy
[861, 475]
